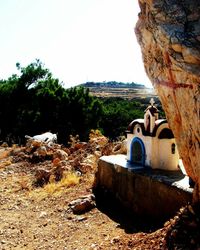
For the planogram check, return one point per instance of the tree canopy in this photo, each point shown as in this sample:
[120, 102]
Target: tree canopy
[34, 102]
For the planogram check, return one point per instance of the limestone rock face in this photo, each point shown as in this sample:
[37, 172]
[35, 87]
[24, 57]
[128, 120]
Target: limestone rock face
[169, 35]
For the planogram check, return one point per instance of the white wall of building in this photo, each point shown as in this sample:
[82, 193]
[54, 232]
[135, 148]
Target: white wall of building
[158, 151]
[162, 157]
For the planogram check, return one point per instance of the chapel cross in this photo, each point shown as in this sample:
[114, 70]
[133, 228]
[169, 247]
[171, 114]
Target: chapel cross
[152, 102]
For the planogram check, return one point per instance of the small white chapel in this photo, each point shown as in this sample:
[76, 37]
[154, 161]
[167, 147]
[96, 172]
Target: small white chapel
[151, 143]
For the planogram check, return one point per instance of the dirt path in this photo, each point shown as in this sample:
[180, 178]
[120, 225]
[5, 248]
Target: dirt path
[38, 219]
[33, 218]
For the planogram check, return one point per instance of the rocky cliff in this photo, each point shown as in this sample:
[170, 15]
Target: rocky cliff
[169, 35]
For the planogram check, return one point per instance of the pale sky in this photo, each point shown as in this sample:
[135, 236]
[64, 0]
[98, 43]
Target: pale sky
[78, 40]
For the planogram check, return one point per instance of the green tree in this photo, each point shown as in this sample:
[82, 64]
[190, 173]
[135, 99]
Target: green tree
[33, 102]
[118, 113]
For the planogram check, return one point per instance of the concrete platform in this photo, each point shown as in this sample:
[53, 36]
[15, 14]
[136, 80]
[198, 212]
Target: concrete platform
[144, 191]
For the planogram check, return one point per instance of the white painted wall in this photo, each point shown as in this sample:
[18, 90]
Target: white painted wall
[129, 140]
[158, 151]
[162, 157]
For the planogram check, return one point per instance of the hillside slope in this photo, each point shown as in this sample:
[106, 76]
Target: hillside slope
[40, 182]
[119, 89]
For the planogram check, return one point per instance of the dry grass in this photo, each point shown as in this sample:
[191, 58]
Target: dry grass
[56, 188]
[69, 179]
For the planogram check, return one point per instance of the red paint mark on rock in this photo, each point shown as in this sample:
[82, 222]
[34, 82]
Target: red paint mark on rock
[169, 64]
[173, 85]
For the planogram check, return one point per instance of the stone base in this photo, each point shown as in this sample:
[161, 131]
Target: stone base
[144, 191]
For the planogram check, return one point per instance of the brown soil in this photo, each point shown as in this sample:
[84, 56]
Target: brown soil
[126, 93]
[37, 217]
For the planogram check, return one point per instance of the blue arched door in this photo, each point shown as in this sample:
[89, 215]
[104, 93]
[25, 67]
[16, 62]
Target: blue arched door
[137, 152]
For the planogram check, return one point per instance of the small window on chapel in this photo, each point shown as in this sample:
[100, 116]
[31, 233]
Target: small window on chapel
[138, 130]
[173, 148]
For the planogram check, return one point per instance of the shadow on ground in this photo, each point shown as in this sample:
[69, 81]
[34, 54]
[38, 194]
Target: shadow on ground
[127, 220]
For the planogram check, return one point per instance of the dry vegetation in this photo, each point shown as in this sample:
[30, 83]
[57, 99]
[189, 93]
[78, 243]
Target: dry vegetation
[126, 93]
[40, 182]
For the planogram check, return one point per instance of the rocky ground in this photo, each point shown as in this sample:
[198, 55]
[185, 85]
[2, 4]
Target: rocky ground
[46, 202]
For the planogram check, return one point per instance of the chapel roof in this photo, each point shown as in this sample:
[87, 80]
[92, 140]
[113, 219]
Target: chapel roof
[153, 110]
[158, 123]
[141, 122]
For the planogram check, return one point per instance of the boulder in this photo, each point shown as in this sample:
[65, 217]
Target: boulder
[41, 151]
[169, 35]
[42, 176]
[120, 147]
[60, 154]
[83, 204]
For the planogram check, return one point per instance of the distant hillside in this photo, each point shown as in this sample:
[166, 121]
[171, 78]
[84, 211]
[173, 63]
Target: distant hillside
[113, 84]
[118, 89]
